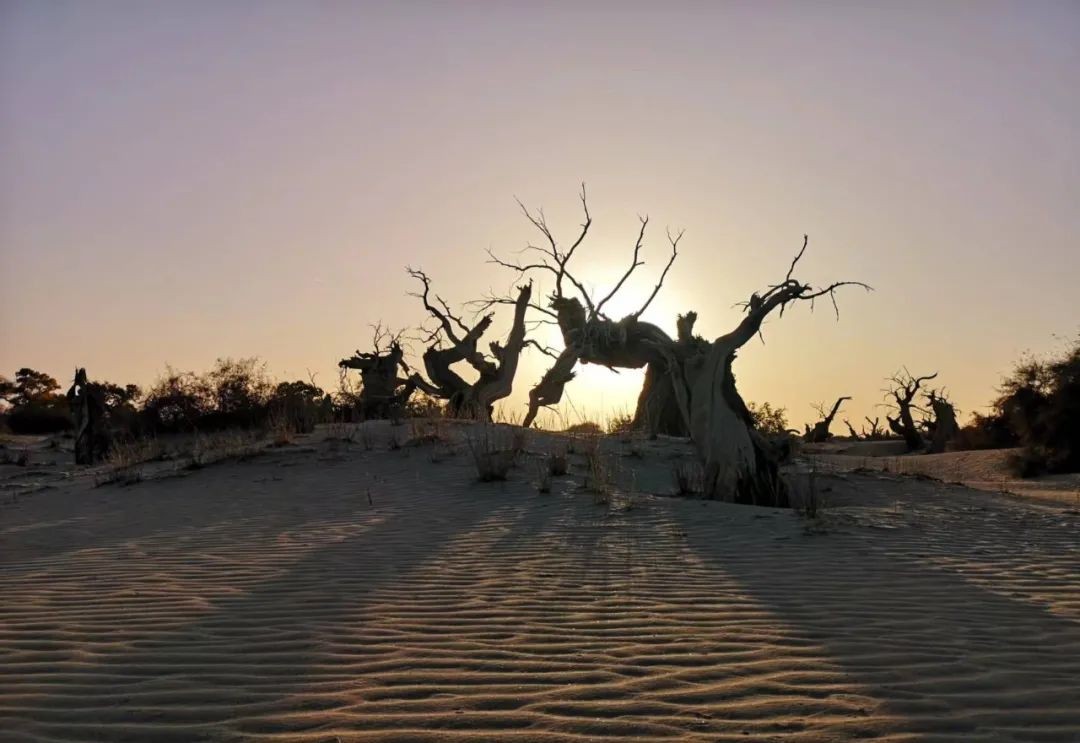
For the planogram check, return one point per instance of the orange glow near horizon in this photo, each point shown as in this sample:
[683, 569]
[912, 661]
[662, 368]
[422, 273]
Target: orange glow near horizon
[193, 181]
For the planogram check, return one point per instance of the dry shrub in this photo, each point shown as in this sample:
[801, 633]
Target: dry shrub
[557, 463]
[281, 430]
[600, 476]
[423, 432]
[217, 447]
[688, 478]
[586, 428]
[126, 458]
[493, 454]
[343, 431]
[543, 477]
[620, 423]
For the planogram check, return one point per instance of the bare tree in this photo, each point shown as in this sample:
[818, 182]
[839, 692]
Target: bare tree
[820, 432]
[851, 430]
[944, 427]
[875, 431]
[382, 391]
[689, 385]
[495, 371]
[902, 390]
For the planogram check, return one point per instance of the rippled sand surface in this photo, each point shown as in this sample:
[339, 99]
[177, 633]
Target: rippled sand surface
[375, 595]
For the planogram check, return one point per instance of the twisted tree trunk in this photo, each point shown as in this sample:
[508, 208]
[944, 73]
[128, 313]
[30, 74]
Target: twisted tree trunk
[496, 375]
[383, 393]
[945, 426]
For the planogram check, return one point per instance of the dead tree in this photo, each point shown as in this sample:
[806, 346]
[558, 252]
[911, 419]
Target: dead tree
[945, 427]
[851, 430]
[475, 400]
[902, 390]
[819, 434]
[689, 384]
[875, 431]
[383, 394]
[89, 413]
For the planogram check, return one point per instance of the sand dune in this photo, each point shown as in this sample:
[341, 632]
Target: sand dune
[354, 595]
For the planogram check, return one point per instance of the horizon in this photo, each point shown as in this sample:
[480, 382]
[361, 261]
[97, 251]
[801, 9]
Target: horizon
[191, 182]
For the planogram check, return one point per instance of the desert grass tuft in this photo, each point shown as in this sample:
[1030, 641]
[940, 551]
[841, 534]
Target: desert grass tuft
[599, 476]
[805, 494]
[126, 459]
[688, 478]
[492, 454]
[558, 464]
[543, 477]
[221, 446]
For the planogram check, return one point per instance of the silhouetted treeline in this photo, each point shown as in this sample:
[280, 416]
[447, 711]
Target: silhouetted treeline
[233, 394]
[1037, 409]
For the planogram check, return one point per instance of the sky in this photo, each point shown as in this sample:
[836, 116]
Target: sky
[192, 180]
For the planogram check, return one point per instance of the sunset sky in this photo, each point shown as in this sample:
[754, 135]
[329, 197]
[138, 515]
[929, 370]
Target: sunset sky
[189, 180]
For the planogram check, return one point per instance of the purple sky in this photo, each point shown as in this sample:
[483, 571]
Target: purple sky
[187, 180]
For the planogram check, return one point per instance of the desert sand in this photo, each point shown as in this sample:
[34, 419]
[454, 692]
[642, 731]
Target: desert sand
[330, 591]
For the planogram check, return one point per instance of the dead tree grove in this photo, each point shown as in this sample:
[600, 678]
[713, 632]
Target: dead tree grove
[901, 392]
[689, 383]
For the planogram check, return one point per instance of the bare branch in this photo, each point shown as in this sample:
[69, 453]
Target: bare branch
[634, 263]
[663, 275]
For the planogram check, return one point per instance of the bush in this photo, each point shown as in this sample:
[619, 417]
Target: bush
[234, 394]
[588, 428]
[768, 420]
[423, 405]
[37, 419]
[620, 423]
[177, 402]
[1039, 410]
[299, 406]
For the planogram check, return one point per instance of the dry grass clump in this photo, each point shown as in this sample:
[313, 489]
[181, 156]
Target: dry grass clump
[424, 432]
[343, 431]
[558, 464]
[543, 477]
[599, 476]
[492, 453]
[217, 447]
[805, 495]
[126, 458]
[281, 430]
[688, 478]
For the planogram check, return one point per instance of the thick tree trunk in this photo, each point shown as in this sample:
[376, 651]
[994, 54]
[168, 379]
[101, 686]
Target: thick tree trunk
[909, 430]
[738, 464]
[657, 410]
[382, 392]
[945, 427]
[89, 413]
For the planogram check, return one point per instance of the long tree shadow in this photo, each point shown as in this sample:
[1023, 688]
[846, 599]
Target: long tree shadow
[942, 655]
[298, 606]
